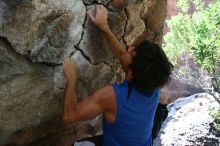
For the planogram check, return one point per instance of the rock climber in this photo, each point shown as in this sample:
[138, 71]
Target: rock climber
[128, 108]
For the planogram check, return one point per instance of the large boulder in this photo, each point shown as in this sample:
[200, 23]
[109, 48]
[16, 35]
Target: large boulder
[35, 38]
[177, 88]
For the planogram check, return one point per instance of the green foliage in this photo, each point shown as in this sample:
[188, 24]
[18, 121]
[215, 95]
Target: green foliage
[207, 27]
[185, 5]
[197, 34]
[179, 36]
[215, 113]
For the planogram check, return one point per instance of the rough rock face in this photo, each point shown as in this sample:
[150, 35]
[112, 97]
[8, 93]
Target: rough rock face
[35, 37]
[188, 123]
[179, 88]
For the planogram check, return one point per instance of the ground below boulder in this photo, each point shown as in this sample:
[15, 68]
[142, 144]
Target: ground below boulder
[189, 123]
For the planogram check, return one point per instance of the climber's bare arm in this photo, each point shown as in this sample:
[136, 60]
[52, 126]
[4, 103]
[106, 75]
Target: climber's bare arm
[70, 99]
[100, 20]
[101, 101]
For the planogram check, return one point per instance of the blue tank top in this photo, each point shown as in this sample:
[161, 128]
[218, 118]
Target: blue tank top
[134, 118]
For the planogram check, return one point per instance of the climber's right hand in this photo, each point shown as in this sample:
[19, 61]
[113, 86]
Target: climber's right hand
[100, 18]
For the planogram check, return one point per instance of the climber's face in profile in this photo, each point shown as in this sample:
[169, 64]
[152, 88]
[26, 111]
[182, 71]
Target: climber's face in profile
[127, 57]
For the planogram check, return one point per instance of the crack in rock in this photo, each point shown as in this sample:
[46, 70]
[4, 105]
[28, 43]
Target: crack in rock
[96, 2]
[26, 57]
[82, 37]
[88, 58]
[84, 54]
[46, 30]
[126, 23]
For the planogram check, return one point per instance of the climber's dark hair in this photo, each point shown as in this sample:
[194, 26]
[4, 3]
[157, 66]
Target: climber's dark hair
[150, 66]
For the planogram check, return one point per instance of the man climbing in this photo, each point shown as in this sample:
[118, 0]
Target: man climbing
[128, 108]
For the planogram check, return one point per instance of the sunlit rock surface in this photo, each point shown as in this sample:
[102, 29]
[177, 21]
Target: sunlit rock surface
[188, 122]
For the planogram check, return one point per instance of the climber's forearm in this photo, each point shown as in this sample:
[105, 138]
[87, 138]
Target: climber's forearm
[100, 20]
[115, 45]
[70, 100]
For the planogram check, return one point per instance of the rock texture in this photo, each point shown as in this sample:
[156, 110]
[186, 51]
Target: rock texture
[177, 88]
[35, 37]
[188, 123]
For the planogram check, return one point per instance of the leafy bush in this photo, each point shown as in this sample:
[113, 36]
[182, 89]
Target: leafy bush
[197, 34]
[215, 113]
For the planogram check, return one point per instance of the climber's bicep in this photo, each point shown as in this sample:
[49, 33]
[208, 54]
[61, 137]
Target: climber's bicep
[102, 101]
[87, 109]
[94, 105]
